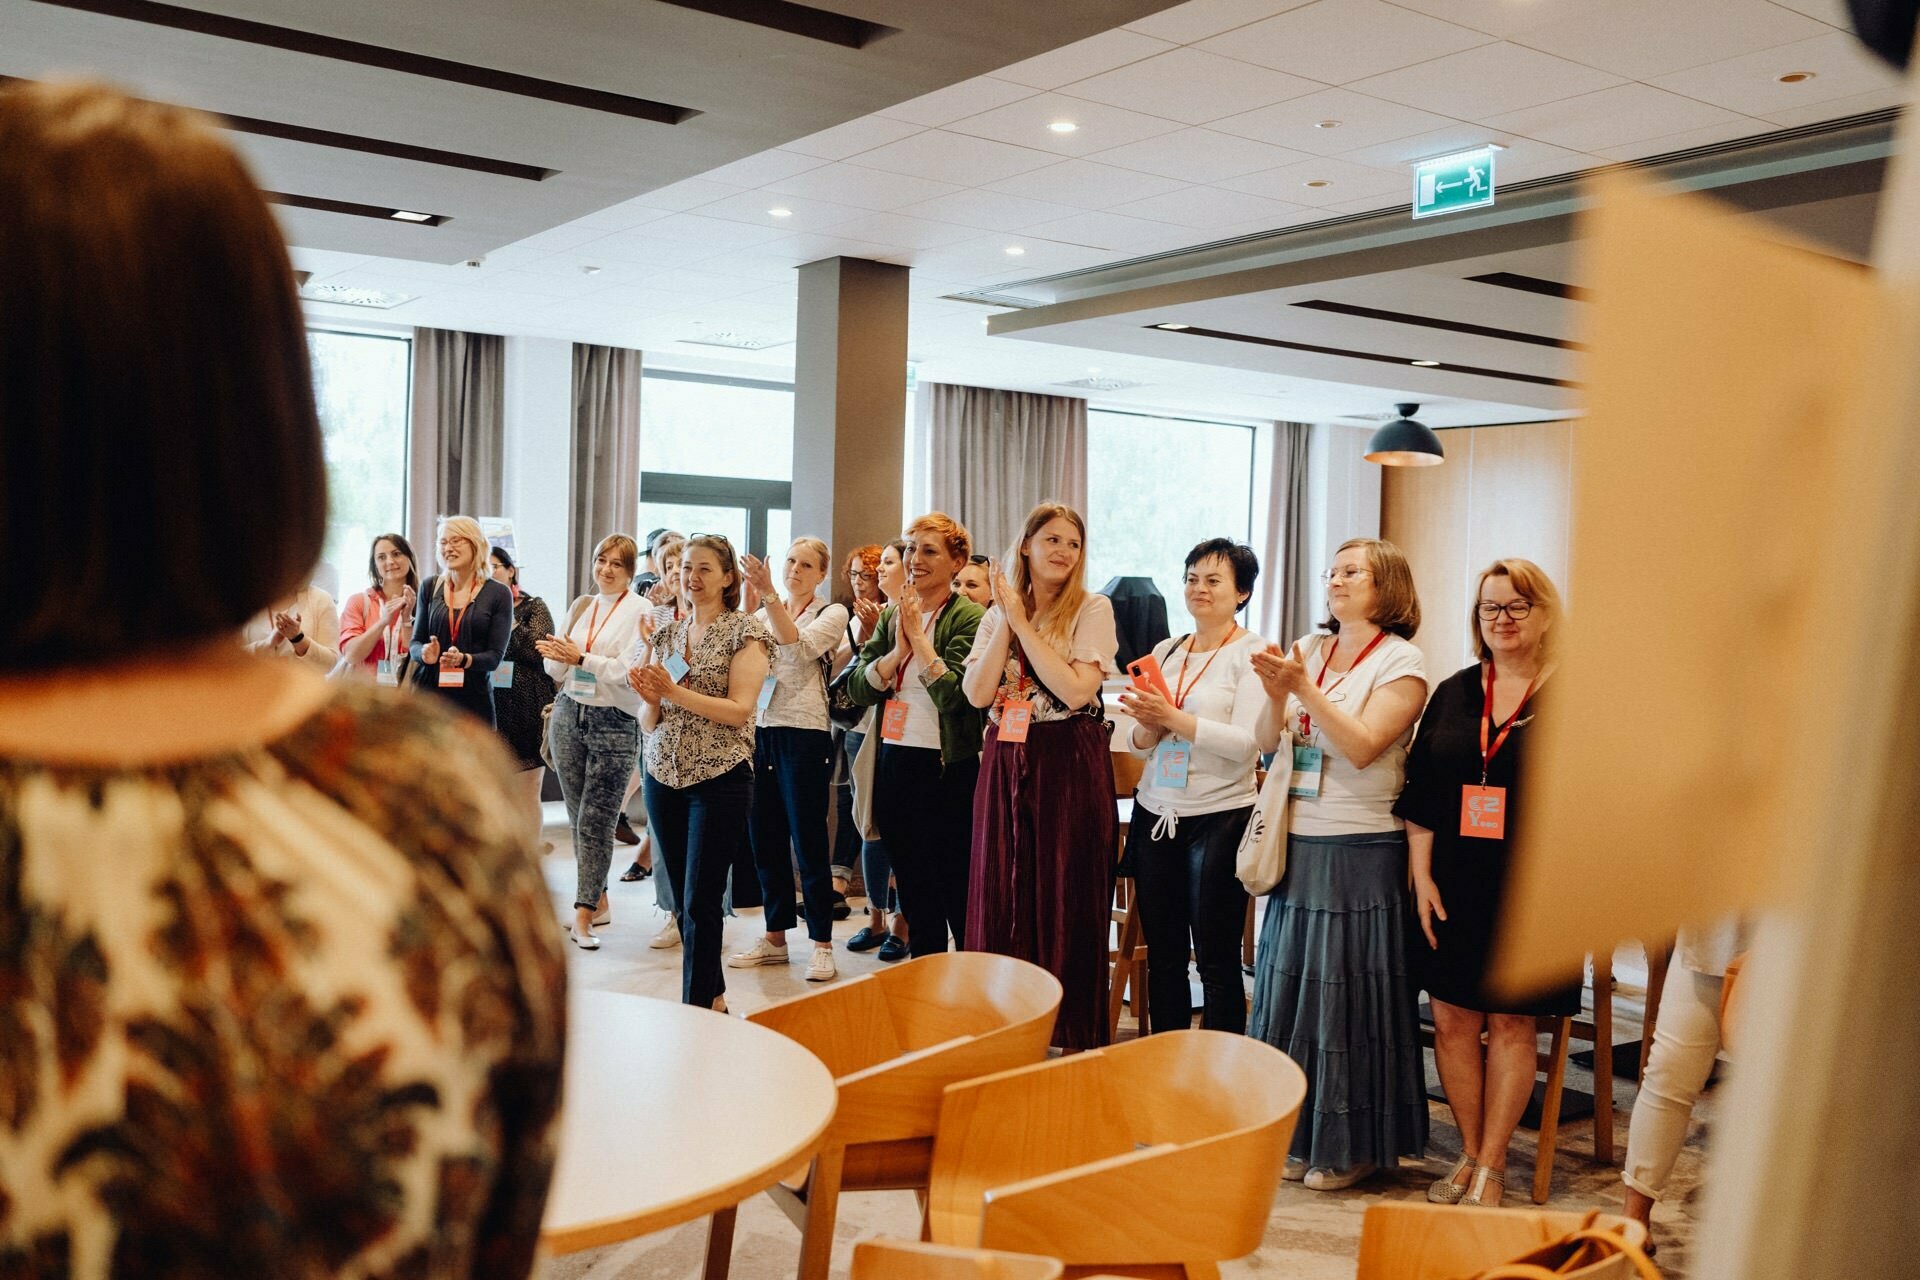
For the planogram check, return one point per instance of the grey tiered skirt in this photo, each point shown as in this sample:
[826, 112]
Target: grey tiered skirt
[1332, 991]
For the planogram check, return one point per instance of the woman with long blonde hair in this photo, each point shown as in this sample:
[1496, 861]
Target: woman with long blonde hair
[1043, 814]
[463, 622]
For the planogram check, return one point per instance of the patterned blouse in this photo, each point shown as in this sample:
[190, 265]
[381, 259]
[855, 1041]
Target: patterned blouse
[1094, 640]
[293, 1010]
[688, 749]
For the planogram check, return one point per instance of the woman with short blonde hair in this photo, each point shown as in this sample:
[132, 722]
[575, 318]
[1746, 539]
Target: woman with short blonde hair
[462, 623]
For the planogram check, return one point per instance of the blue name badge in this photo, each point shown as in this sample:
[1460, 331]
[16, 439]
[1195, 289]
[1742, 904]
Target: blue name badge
[386, 673]
[503, 676]
[582, 683]
[766, 692]
[1309, 766]
[1171, 760]
[676, 667]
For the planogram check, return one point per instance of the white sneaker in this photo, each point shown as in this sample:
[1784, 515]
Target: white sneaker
[585, 941]
[761, 952]
[1296, 1169]
[820, 967]
[1319, 1179]
[668, 936]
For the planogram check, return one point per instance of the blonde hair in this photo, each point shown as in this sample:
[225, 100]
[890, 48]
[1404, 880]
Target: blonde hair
[1056, 624]
[1532, 584]
[1396, 605]
[468, 530]
[620, 549]
[819, 550]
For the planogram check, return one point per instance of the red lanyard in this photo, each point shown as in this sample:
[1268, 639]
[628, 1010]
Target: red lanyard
[900, 676]
[457, 616]
[593, 631]
[1182, 689]
[1486, 721]
[1306, 721]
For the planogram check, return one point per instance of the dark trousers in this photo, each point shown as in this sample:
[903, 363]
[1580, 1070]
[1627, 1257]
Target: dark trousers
[875, 870]
[1188, 891]
[698, 833]
[925, 813]
[792, 776]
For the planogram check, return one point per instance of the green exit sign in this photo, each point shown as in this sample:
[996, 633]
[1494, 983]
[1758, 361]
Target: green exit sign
[1452, 183]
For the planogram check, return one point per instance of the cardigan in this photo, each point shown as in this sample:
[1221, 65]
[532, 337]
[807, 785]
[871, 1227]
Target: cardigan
[963, 726]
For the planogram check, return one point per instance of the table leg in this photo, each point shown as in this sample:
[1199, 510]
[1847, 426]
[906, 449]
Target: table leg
[1603, 1057]
[720, 1243]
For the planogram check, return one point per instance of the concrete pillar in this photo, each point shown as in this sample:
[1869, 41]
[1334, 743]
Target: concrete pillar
[849, 403]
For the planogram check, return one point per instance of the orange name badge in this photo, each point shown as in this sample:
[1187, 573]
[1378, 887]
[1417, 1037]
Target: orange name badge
[1483, 812]
[1016, 715]
[893, 720]
[453, 677]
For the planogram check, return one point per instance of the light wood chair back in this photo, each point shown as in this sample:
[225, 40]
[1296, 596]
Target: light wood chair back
[904, 1260]
[894, 1040]
[1127, 984]
[1127, 770]
[1160, 1151]
[1410, 1241]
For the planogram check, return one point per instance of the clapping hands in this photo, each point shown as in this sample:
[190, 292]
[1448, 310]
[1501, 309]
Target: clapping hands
[1281, 673]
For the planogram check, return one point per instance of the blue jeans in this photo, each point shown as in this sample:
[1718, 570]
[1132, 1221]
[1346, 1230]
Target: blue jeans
[698, 834]
[593, 755]
[792, 773]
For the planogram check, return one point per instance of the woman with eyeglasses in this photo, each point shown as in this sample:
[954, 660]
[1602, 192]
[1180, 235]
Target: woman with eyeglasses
[1463, 782]
[882, 578]
[593, 732]
[463, 622]
[793, 756]
[1331, 987]
[375, 623]
[930, 750]
[1044, 818]
[699, 689]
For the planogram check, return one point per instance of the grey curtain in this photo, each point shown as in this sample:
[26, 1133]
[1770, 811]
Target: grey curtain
[459, 431]
[995, 454]
[606, 454]
[1288, 589]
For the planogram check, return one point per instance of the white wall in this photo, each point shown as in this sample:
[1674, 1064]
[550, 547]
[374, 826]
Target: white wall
[539, 461]
[1343, 491]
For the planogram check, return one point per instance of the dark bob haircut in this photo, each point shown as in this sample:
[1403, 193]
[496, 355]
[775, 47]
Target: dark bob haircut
[155, 395]
[1245, 564]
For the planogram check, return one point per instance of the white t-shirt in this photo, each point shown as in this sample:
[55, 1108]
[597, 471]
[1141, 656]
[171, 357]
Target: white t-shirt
[1353, 802]
[1093, 639]
[1226, 698]
[613, 622]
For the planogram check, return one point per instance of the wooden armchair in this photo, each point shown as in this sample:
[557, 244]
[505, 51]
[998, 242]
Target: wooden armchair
[894, 1040]
[1157, 1156]
[900, 1260]
[1407, 1241]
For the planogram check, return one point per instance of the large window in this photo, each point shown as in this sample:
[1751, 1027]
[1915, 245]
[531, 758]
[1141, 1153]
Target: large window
[362, 384]
[1157, 486]
[716, 456]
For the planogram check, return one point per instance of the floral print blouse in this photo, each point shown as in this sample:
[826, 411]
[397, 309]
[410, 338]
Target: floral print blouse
[688, 749]
[294, 1011]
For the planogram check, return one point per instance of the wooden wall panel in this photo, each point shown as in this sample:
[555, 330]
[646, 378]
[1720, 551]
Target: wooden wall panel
[1503, 491]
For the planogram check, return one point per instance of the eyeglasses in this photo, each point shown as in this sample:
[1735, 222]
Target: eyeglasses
[1515, 609]
[1332, 576]
[860, 575]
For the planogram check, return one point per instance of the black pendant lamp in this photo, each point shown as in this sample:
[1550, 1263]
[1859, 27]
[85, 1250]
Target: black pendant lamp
[1406, 443]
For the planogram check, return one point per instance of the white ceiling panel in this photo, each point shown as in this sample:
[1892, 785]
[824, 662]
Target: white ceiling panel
[1346, 182]
[1362, 121]
[1895, 95]
[1486, 81]
[1832, 12]
[721, 233]
[619, 217]
[1025, 124]
[1205, 207]
[802, 215]
[1112, 231]
[767, 166]
[690, 193]
[851, 138]
[1199, 155]
[955, 158]
[1198, 19]
[1841, 69]
[1645, 38]
[1083, 58]
[1508, 18]
[989, 210]
[1615, 117]
[641, 249]
[1323, 41]
[1191, 86]
[862, 188]
[904, 232]
[1085, 184]
[958, 101]
[1742, 127]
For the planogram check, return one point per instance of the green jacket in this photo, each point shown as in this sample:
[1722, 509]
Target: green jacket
[962, 725]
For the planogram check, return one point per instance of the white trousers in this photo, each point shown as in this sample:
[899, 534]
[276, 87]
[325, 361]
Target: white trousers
[1685, 1040]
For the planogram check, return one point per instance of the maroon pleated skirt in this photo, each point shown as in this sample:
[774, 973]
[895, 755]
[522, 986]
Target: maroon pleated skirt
[1044, 830]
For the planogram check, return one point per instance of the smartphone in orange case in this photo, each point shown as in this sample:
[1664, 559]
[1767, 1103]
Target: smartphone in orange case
[1146, 675]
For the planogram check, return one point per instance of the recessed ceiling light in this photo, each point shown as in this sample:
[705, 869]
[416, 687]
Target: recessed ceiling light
[1064, 126]
[1173, 326]
[1326, 124]
[408, 215]
[589, 271]
[778, 212]
[1316, 183]
[1796, 77]
[1427, 364]
[1015, 251]
[1496, 146]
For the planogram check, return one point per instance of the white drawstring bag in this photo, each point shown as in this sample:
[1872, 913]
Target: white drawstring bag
[1262, 858]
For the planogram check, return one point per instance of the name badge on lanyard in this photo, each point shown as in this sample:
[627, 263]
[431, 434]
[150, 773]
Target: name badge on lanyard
[1483, 809]
[386, 673]
[1171, 760]
[1309, 767]
[1016, 717]
[503, 676]
[676, 666]
[766, 693]
[582, 684]
[893, 720]
[453, 677]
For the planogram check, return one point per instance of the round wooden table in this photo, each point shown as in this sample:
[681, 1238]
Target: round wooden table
[672, 1113]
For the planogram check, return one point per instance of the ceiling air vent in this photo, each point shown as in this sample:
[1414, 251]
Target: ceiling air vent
[346, 295]
[735, 341]
[1101, 384]
[1368, 417]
